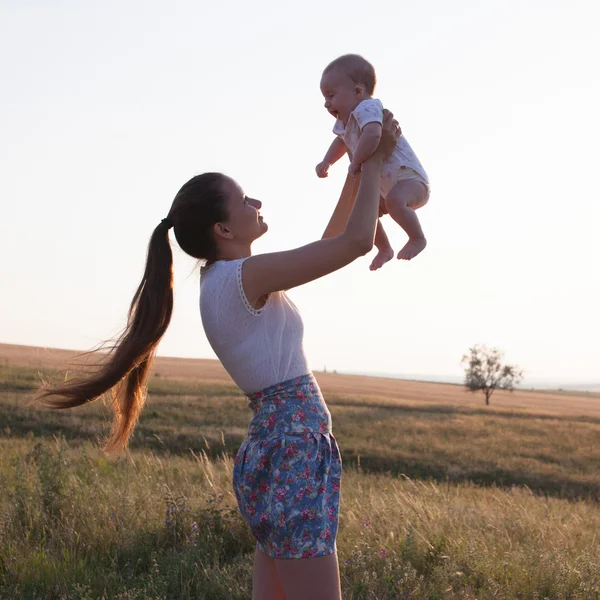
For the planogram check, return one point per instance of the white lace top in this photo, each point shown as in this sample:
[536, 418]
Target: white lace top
[371, 111]
[258, 348]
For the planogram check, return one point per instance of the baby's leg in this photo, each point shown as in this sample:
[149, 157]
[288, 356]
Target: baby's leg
[382, 243]
[401, 202]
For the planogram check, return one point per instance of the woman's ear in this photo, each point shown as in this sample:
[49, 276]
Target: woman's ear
[222, 231]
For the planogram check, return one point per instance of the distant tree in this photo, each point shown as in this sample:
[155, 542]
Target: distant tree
[485, 372]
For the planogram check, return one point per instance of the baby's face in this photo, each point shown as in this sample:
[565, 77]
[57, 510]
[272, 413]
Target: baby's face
[341, 94]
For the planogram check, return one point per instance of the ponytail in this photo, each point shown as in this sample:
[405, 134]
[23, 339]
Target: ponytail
[126, 368]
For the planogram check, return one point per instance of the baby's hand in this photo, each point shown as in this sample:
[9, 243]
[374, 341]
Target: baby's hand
[354, 169]
[322, 169]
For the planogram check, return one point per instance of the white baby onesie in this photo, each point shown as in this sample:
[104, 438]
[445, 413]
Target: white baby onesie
[371, 111]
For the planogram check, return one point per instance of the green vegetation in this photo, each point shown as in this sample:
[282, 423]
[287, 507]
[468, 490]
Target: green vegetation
[437, 502]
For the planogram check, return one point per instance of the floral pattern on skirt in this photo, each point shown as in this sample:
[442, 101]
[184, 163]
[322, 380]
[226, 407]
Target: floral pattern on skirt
[287, 472]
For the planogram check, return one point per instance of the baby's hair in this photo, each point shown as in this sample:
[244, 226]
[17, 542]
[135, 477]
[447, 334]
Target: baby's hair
[357, 68]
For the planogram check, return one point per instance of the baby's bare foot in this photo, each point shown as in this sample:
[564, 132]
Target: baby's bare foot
[412, 248]
[382, 257]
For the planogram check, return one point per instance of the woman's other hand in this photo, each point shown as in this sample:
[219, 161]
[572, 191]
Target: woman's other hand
[390, 134]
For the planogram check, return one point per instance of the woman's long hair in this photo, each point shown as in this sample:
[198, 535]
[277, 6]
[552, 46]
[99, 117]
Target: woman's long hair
[125, 368]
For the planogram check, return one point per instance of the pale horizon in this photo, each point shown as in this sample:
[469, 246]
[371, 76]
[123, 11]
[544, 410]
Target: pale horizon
[592, 385]
[108, 109]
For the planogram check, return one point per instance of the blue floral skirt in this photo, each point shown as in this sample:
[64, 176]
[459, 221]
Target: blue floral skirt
[288, 470]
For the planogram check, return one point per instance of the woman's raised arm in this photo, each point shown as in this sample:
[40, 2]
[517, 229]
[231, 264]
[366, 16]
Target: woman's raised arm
[266, 273]
[341, 212]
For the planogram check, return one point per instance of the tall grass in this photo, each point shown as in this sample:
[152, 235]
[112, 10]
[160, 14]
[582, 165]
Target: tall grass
[161, 522]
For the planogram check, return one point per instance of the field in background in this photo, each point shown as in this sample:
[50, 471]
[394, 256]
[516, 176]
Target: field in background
[585, 404]
[442, 497]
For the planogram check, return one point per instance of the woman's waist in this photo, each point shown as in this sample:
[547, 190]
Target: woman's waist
[253, 371]
[293, 406]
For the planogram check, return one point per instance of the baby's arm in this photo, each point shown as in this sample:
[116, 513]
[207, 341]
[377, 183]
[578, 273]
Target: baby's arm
[335, 152]
[367, 144]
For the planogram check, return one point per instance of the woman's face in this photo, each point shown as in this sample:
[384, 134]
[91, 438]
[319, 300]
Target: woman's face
[245, 223]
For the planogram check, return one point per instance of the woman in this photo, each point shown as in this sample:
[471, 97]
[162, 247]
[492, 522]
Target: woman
[287, 471]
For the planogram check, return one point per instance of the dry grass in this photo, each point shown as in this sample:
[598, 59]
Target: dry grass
[145, 526]
[377, 390]
[452, 499]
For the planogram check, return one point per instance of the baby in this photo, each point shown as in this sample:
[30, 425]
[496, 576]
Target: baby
[348, 84]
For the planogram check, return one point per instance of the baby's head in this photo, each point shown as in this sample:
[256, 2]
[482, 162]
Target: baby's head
[347, 81]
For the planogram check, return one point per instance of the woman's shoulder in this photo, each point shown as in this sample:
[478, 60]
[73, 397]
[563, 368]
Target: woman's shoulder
[222, 289]
[217, 276]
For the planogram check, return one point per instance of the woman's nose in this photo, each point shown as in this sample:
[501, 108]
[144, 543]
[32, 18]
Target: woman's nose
[256, 203]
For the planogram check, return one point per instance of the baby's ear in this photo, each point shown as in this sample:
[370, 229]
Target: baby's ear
[358, 90]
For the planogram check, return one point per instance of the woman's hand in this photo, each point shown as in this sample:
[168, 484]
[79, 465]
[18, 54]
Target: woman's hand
[390, 134]
[353, 169]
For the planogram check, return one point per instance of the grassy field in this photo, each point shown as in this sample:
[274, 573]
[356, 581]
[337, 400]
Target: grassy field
[442, 497]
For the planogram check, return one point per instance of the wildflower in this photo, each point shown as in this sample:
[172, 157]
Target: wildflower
[383, 552]
[195, 533]
[366, 523]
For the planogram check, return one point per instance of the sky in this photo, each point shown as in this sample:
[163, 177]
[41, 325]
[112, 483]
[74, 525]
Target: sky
[106, 109]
